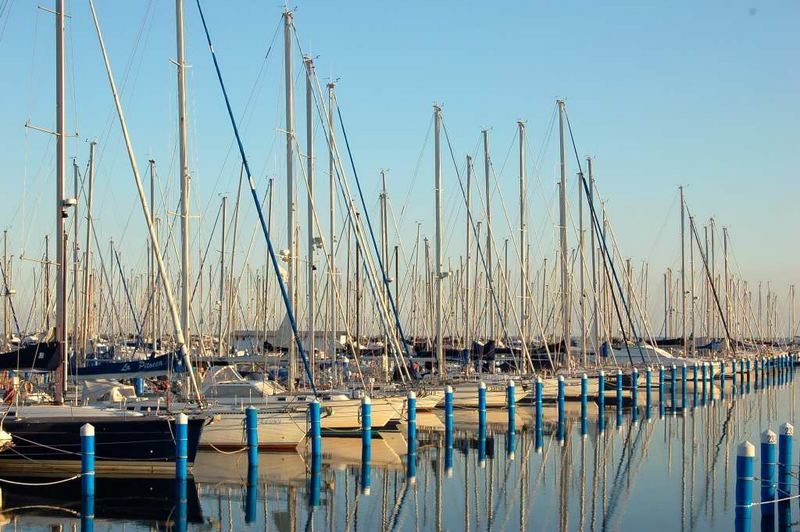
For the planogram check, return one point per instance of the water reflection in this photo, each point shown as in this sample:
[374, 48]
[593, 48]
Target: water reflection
[674, 472]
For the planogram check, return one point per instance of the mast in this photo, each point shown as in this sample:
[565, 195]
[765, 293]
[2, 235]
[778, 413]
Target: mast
[332, 318]
[311, 296]
[468, 258]
[562, 196]
[683, 273]
[693, 346]
[184, 175]
[727, 279]
[385, 261]
[5, 288]
[220, 341]
[151, 281]
[87, 252]
[61, 205]
[582, 261]
[290, 191]
[489, 274]
[595, 312]
[437, 168]
[522, 233]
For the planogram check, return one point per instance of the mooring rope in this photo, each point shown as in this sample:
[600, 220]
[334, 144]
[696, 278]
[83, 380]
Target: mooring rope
[17, 483]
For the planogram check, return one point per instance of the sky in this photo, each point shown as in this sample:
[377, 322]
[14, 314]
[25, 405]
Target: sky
[660, 94]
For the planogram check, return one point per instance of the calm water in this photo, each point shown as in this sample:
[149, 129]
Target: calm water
[674, 472]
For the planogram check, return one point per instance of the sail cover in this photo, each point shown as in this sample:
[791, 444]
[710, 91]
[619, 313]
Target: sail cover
[150, 367]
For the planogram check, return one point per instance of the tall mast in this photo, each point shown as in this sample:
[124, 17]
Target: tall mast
[562, 196]
[693, 346]
[467, 260]
[290, 191]
[683, 273]
[385, 261]
[522, 234]
[595, 312]
[437, 168]
[88, 251]
[151, 281]
[5, 288]
[75, 284]
[727, 279]
[184, 174]
[489, 274]
[582, 267]
[222, 306]
[61, 170]
[332, 325]
[312, 305]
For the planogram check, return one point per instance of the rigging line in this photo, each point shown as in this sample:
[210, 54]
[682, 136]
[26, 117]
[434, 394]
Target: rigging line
[416, 168]
[610, 261]
[128, 296]
[273, 258]
[372, 235]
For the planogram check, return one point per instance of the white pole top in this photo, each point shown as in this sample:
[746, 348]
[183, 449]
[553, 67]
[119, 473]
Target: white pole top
[315, 401]
[746, 449]
[411, 394]
[511, 383]
[619, 372]
[182, 419]
[673, 366]
[482, 385]
[769, 437]
[788, 429]
[539, 380]
[560, 378]
[366, 400]
[584, 376]
[448, 389]
[87, 430]
[602, 373]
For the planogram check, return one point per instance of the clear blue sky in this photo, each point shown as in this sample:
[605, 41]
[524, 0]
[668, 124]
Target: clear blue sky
[703, 94]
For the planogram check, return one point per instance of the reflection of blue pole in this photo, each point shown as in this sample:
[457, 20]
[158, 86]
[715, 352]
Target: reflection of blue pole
[711, 380]
[756, 364]
[316, 479]
[510, 445]
[87, 477]
[704, 371]
[748, 371]
[785, 460]
[635, 394]
[181, 446]
[745, 457]
[696, 385]
[252, 494]
[482, 443]
[584, 403]
[366, 444]
[648, 383]
[722, 380]
[619, 398]
[733, 375]
[769, 444]
[661, 391]
[511, 402]
[251, 417]
[182, 503]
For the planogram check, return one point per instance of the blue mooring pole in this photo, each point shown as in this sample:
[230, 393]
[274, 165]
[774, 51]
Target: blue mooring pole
[769, 451]
[601, 401]
[756, 363]
[366, 444]
[538, 406]
[316, 428]
[181, 446]
[584, 403]
[251, 425]
[673, 375]
[482, 404]
[721, 380]
[411, 456]
[661, 391]
[635, 395]
[745, 456]
[511, 404]
[696, 385]
[648, 383]
[619, 398]
[683, 385]
[561, 409]
[87, 477]
[448, 415]
[785, 460]
[704, 371]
